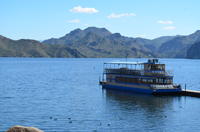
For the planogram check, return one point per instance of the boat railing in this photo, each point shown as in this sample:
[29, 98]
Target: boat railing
[122, 71]
[158, 73]
[136, 72]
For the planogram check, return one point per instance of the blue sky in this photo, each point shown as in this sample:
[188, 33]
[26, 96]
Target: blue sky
[43, 19]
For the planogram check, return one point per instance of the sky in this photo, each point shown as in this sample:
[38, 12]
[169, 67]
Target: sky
[44, 19]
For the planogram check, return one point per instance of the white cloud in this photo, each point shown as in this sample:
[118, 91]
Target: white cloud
[165, 22]
[114, 15]
[74, 21]
[169, 28]
[79, 9]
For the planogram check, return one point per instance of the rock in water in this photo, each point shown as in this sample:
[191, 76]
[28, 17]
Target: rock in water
[23, 129]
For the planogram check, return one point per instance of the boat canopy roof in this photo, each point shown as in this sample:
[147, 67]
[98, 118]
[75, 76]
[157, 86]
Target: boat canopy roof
[150, 61]
[126, 63]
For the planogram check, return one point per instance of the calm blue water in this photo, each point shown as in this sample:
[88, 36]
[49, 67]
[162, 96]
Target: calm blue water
[59, 95]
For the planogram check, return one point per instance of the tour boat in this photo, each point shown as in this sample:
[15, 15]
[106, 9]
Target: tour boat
[144, 77]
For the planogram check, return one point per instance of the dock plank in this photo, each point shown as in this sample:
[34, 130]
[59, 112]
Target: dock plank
[193, 93]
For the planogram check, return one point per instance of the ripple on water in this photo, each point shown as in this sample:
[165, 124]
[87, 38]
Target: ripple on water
[64, 95]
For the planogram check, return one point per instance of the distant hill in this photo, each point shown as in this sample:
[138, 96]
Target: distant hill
[160, 40]
[32, 48]
[99, 42]
[178, 46]
[194, 51]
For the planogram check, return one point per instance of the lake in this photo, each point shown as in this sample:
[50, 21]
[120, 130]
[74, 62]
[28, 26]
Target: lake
[60, 95]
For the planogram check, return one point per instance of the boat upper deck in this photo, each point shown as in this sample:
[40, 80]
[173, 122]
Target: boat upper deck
[150, 68]
[126, 71]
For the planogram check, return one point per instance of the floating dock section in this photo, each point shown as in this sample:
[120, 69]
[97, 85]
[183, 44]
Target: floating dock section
[193, 93]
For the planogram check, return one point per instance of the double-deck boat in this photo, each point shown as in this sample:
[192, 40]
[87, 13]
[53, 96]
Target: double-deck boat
[145, 77]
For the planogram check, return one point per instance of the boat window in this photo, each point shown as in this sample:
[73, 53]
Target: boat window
[127, 80]
[144, 80]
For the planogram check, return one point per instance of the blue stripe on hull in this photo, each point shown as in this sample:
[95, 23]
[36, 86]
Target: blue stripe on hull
[139, 90]
[168, 90]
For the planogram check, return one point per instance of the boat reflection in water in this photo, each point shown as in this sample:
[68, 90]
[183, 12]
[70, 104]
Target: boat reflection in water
[146, 101]
[139, 111]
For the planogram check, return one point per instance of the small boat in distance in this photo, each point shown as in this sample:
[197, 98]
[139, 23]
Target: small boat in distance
[144, 77]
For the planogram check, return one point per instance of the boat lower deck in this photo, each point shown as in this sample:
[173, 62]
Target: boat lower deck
[139, 88]
[176, 92]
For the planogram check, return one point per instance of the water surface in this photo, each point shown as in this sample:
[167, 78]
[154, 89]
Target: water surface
[59, 95]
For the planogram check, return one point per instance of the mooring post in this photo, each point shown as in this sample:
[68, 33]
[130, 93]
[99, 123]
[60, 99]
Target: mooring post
[185, 86]
[99, 78]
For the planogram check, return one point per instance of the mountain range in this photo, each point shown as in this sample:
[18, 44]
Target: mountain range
[33, 48]
[99, 42]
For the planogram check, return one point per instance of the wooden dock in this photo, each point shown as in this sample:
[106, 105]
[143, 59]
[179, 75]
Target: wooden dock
[193, 93]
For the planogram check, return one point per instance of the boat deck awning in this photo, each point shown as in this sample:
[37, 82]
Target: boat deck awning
[125, 63]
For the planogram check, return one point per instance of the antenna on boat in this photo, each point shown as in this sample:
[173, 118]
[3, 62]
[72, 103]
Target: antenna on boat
[126, 56]
[126, 59]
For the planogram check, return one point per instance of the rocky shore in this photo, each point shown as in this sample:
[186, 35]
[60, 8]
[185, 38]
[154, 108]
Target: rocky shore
[23, 129]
